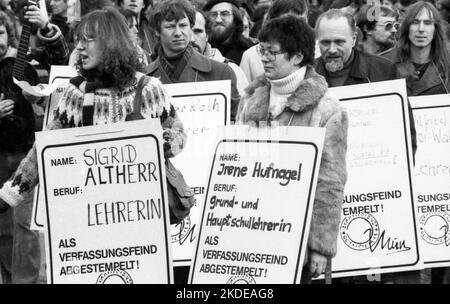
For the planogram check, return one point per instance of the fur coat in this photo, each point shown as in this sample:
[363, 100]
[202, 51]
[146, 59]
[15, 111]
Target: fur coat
[313, 107]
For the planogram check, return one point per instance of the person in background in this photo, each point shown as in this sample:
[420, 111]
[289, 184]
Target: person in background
[201, 32]
[422, 53]
[378, 35]
[227, 28]
[291, 93]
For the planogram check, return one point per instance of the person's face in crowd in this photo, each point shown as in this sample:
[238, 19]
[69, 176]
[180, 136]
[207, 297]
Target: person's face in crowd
[133, 26]
[387, 3]
[135, 6]
[3, 41]
[401, 9]
[421, 30]
[59, 7]
[89, 52]
[277, 64]
[385, 31]
[336, 42]
[199, 37]
[246, 31]
[175, 36]
[222, 19]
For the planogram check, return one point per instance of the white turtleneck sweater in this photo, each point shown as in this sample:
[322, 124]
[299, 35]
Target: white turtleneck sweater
[281, 89]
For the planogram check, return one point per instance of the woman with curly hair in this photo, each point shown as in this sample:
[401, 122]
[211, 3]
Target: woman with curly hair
[102, 94]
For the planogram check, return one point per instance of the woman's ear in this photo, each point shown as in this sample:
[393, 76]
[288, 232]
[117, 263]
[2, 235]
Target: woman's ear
[298, 58]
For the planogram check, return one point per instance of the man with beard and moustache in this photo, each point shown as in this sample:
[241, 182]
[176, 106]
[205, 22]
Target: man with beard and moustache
[342, 64]
[201, 32]
[379, 35]
[227, 28]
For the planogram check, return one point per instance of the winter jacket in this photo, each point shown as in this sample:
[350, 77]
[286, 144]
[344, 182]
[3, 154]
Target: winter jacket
[313, 107]
[432, 82]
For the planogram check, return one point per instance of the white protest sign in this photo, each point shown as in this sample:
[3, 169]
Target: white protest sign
[201, 106]
[377, 230]
[432, 177]
[258, 205]
[59, 75]
[106, 204]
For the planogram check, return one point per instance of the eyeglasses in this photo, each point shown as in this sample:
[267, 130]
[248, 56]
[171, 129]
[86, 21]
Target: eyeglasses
[389, 25]
[83, 40]
[223, 14]
[270, 55]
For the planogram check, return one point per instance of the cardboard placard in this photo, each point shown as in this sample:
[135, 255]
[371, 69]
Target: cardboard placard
[106, 204]
[377, 230]
[201, 106]
[432, 177]
[60, 75]
[258, 205]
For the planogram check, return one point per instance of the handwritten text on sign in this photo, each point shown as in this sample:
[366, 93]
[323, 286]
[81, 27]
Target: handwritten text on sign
[377, 230]
[107, 218]
[259, 199]
[201, 106]
[432, 177]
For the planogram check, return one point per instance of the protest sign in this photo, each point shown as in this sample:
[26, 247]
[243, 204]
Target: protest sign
[258, 205]
[59, 75]
[377, 230]
[432, 177]
[106, 204]
[201, 106]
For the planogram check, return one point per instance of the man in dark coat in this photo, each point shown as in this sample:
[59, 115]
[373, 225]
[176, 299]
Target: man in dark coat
[227, 29]
[342, 64]
[177, 60]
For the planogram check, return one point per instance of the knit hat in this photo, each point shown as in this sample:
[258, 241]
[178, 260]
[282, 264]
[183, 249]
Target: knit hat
[211, 3]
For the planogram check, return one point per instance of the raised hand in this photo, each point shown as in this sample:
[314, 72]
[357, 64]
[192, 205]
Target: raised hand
[6, 106]
[37, 16]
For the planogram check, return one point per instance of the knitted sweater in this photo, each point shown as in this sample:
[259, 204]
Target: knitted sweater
[110, 106]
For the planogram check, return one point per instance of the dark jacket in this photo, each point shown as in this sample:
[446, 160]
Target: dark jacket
[201, 68]
[368, 68]
[234, 50]
[431, 83]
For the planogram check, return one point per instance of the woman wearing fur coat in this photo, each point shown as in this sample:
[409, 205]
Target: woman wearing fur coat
[291, 93]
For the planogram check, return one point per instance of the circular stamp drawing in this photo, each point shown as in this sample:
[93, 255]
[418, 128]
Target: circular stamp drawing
[434, 228]
[241, 279]
[359, 231]
[117, 276]
[181, 230]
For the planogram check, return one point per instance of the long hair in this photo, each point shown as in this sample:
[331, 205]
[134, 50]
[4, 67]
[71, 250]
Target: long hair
[120, 59]
[10, 30]
[439, 54]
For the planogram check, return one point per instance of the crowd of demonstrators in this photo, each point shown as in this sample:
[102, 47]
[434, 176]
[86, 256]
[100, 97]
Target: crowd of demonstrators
[262, 46]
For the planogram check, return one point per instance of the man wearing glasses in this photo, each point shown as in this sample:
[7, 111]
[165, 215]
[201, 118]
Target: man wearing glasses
[227, 28]
[379, 36]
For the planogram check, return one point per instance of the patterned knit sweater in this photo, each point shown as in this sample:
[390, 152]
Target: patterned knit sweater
[110, 106]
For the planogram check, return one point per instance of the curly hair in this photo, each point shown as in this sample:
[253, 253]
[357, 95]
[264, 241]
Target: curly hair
[172, 10]
[10, 30]
[120, 58]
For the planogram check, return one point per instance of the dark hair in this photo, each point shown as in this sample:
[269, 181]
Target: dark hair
[363, 22]
[336, 13]
[258, 19]
[281, 7]
[147, 4]
[10, 30]
[172, 10]
[87, 6]
[208, 23]
[293, 34]
[439, 53]
[120, 56]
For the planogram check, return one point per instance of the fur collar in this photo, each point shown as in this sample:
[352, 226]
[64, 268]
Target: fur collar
[305, 97]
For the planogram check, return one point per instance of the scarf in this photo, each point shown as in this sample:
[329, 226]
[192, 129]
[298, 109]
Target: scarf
[174, 72]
